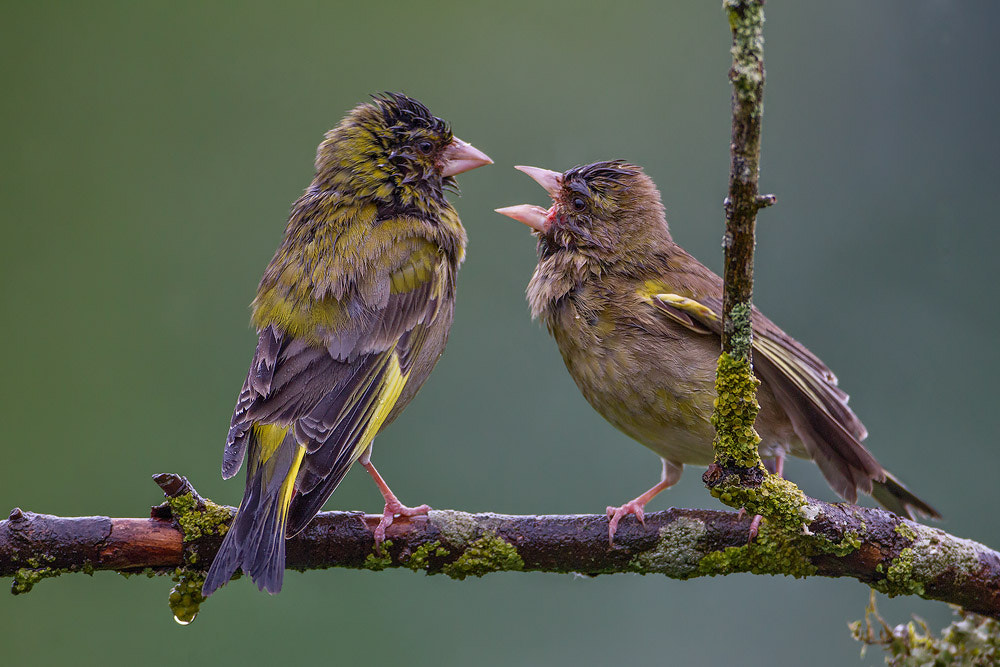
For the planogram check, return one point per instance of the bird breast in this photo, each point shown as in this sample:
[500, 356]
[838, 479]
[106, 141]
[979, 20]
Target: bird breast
[646, 376]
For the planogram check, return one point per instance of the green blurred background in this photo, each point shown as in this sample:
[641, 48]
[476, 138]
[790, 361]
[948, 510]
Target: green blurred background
[150, 154]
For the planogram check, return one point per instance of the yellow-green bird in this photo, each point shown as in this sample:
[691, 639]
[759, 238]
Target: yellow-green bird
[352, 314]
[637, 320]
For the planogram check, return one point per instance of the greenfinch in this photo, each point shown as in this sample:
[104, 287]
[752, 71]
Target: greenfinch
[352, 313]
[638, 320]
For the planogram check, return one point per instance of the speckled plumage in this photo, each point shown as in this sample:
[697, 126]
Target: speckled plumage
[637, 321]
[353, 312]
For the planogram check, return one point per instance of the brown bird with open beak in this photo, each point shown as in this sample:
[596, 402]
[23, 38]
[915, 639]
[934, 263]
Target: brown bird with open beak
[637, 320]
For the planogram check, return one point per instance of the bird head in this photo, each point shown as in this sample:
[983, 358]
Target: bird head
[394, 148]
[609, 211]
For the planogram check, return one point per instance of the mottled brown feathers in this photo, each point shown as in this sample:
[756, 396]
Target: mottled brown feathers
[637, 320]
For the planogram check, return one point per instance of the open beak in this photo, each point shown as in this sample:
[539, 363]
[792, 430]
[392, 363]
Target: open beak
[460, 156]
[535, 217]
[548, 179]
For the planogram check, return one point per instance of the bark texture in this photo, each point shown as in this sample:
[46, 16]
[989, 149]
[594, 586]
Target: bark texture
[893, 555]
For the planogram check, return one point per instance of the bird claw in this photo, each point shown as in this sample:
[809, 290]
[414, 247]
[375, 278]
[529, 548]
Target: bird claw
[754, 528]
[615, 514]
[754, 523]
[389, 514]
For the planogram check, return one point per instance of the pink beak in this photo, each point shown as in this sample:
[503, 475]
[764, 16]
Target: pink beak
[460, 157]
[535, 217]
[548, 179]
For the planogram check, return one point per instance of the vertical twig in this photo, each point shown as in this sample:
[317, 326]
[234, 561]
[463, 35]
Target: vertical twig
[746, 20]
[736, 409]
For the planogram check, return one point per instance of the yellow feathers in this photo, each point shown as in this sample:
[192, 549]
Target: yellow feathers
[418, 270]
[392, 386]
[288, 486]
[683, 310]
[268, 437]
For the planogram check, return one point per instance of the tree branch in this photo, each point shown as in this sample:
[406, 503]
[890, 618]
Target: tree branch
[737, 466]
[746, 20]
[893, 555]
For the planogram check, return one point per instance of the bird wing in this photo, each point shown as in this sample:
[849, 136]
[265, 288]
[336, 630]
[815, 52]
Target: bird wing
[804, 387]
[336, 392]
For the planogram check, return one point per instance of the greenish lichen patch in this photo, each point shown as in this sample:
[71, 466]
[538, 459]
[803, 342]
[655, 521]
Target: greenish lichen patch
[213, 519]
[379, 560]
[742, 336]
[774, 551]
[185, 597]
[489, 553]
[420, 558]
[969, 640]
[906, 531]
[25, 578]
[40, 561]
[147, 572]
[850, 543]
[456, 528]
[778, 550]
[777, 499]
[899, 579]
[735, 411]
[676, 552]
[935, 551]
[746, 21]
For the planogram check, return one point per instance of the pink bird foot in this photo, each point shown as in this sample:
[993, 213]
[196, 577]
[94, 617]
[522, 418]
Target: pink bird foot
[392, 508]
[776, 467]
[615, 515]
[668, 477]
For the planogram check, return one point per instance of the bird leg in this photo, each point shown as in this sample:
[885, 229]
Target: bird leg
[670, 475]
[779, 468]
[392, 505]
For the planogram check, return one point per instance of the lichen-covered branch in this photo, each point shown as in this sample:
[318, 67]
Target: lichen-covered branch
[971, 639]
[738, 467]
[893, 555]
[746, 20]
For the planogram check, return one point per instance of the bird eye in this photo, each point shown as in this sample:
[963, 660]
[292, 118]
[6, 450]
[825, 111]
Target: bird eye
[579, 204]
[425, 147]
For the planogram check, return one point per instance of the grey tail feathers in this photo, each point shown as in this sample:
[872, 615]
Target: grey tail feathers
[305, 505]
[898, 499]
[255, 541]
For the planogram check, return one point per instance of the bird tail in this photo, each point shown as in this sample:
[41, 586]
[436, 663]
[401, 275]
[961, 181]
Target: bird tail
[898, 499]
[255, 541]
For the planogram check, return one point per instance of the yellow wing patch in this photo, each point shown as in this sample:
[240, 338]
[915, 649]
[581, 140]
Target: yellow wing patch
[392, 386]
[269, 438]
[288, 486]
[418, 270]
[690, 305]
[702, 319]
[682, 310]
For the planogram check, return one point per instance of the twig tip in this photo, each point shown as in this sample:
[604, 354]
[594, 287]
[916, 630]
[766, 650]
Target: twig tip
[763, 201]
